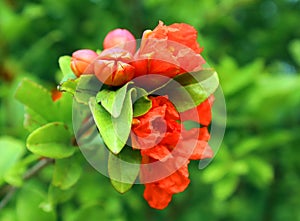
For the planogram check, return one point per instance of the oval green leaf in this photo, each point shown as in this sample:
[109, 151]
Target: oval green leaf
[51, 140]
[124, 168]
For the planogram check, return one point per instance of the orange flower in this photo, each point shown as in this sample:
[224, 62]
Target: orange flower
[158, 131]
[178, 32]
[112, 68]
[167, 51]
[166, 148]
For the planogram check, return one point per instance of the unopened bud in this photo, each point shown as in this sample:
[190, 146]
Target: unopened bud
[81, 61]
[120, 38]
[112, 67]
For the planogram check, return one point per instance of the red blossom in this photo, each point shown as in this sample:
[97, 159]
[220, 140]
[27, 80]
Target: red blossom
[166, 148]
[178, 32]
[167, 51]
[159, 193]
[194, 144]
[158, 131]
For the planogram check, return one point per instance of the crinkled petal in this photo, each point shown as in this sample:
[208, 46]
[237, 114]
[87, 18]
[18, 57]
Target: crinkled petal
[158, 152]
[176, 182]
[156, 197]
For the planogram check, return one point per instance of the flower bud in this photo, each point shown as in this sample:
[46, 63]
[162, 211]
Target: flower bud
[120, 38]
[112, 67]
[81, 61]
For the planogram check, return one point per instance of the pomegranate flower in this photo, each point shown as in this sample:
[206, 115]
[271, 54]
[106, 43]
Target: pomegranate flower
[168, 51]
[112, 68]
[162, 139]
[81, 61]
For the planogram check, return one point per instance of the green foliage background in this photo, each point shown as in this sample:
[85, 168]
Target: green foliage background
[255, 47]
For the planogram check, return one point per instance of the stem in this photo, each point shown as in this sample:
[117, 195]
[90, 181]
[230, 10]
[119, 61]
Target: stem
[29, 174]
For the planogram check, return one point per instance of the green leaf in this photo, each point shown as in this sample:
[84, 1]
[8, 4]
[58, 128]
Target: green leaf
[69, 86]
[32, 120]
[225, 187]
[52, 140]
[123, 169]
[260, 171]
[91, 212]
[294, 48]
[14, 175]
[56, 196]
[195, 88]
[11, 150]
[65, 66]
[107, 99]
[28, 206]
[66, 172]
[141, 106]
[36, 98]
[214, 172]
[113, 101]
[107, 127]
[88, 86]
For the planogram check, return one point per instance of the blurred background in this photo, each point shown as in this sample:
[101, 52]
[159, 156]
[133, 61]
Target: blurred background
[255, 47]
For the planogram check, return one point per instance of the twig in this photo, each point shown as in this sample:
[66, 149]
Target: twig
[30, 173]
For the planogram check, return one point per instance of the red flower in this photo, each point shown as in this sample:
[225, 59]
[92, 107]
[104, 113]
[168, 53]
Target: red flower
[112, 68]
[194, 144]
[81, 61]
[178, 32]
[158, 131]
[166, 148]
[120, 38]
[167, 51]
[159, 193]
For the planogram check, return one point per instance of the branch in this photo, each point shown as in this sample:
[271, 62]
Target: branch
[29, 174]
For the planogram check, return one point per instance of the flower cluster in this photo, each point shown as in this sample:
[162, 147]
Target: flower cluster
[159, 131]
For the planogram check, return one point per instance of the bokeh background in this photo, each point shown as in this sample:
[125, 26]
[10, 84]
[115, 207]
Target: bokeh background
[255, 47]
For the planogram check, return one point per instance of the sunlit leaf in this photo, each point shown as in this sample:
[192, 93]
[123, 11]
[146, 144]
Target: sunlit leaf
[88, 86]
[190, 89]
[106, 127]
[225, 187]
[69, 86]
[52, 140]
[66, 172]
[65, 66]
[123, 169]
[36, 98]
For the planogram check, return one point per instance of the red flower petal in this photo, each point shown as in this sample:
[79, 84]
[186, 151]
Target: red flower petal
[178, 32]
[177, 182]
[193, 144]
[158, 152]
[156, 197]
